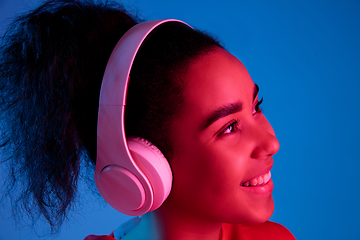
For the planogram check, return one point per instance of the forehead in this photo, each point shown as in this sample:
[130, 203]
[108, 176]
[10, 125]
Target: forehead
[214, 80]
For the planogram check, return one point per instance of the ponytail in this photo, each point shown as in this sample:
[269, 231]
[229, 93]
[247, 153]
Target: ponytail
[51, 65]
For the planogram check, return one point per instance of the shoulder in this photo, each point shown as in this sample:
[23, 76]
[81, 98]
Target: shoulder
[275, 230]
[268, 230]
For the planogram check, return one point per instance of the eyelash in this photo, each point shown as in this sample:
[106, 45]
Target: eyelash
[235, 126]
[235, 123]
[257, 108]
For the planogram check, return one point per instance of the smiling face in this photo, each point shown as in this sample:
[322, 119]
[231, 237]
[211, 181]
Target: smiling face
[222, 145]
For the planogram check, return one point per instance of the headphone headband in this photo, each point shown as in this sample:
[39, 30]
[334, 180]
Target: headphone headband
[112, 146]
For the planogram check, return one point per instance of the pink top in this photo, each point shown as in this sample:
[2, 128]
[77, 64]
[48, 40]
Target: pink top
[268, 230]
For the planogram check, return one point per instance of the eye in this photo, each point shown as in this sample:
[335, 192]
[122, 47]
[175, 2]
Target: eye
[232, 127]
[257, 108]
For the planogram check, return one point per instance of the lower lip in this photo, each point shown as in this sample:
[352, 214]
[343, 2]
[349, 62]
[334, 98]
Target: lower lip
[263, 190]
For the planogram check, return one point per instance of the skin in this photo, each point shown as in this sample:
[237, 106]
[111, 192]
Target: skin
[210, 163]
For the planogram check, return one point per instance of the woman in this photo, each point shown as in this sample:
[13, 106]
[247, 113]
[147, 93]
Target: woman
[187, 95]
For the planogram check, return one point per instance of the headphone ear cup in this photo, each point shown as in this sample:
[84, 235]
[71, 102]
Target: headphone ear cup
[154, 166]
[124, 191]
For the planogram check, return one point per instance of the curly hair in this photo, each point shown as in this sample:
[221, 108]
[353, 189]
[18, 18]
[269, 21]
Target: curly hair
[52, 60]
[47, 97]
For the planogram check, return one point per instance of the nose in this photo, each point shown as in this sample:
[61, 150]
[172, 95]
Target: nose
[266, 142]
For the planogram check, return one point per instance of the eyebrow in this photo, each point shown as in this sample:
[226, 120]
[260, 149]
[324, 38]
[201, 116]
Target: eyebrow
[222, 112]
[226, 110]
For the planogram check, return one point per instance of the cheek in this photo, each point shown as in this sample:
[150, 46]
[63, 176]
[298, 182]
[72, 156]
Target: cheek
[207, 182]
[208, 171]
[190, 169]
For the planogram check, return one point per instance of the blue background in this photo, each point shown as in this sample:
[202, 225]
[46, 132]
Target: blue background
[305, 56]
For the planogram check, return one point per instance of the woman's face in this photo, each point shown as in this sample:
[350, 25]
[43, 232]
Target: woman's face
[222, 143]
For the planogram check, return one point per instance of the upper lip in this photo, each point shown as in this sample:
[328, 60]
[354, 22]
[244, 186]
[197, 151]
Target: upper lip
[258, 174]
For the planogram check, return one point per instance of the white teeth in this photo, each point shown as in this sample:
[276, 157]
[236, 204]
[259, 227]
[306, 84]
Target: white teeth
[254, 182]
[261, 180]
[258, 181]
[267, 177]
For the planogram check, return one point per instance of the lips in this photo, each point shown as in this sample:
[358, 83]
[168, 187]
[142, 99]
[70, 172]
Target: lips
[258, 181]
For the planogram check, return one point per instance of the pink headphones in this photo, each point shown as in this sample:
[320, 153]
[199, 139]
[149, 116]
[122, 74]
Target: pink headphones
[132, 175]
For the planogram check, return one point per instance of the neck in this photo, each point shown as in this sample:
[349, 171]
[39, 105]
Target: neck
[170, 224]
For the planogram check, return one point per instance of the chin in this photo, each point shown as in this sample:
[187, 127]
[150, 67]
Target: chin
[255, 214]
[263, 214]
